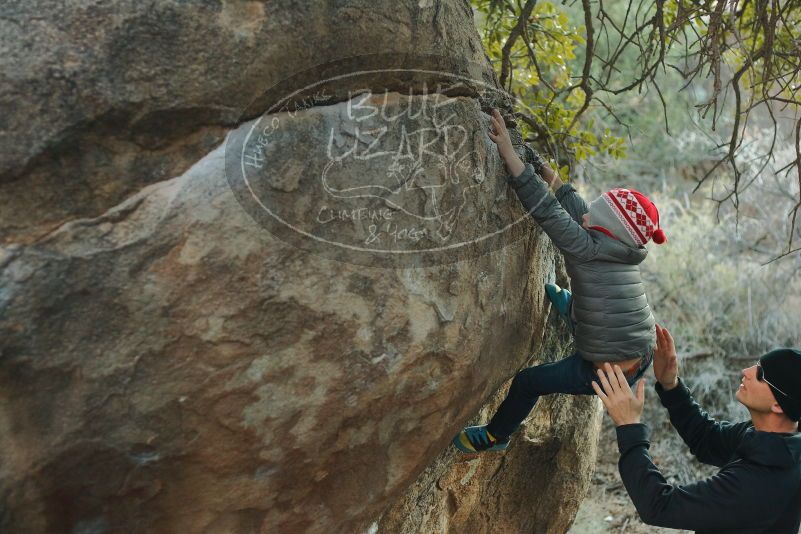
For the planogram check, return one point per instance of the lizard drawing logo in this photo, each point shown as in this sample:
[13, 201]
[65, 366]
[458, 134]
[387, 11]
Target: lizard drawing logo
[429, 172]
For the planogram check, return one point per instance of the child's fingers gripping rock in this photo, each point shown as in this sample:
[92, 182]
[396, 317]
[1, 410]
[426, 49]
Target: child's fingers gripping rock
[499, 122]
[498, 131]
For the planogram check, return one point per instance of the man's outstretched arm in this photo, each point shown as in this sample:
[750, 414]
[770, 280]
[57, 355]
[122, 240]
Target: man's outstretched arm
[733, 498]
[712, 442]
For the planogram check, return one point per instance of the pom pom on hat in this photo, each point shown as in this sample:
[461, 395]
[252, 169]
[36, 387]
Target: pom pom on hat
[658, 236]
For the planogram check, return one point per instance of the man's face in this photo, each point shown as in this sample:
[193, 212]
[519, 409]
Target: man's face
[755, 394]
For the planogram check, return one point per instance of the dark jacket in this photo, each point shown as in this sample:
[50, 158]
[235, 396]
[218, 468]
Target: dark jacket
[758, 487]
[613, 319]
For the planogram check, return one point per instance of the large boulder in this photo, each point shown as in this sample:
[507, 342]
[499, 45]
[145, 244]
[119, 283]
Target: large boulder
[171, 367]
[226, 348]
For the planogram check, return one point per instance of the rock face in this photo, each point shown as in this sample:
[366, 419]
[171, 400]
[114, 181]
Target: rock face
[101, 98]
[537, 485]
[169, 365]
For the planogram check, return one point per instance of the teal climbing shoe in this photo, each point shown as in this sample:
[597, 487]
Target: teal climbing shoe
[561, 299]
[475, 439]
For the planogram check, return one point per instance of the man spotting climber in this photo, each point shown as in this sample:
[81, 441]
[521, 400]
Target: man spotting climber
[758, 486]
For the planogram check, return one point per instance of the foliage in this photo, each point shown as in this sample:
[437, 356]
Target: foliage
[659, 106]
[537, 61]
[712, 284]
[569, 65]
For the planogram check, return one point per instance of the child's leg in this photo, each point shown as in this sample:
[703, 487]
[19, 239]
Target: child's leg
[571, 375]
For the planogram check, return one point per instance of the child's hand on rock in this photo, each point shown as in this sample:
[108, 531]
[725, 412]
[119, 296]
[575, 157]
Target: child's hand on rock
[500, 136]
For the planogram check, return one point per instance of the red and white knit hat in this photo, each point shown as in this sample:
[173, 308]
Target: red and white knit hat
[629, 215]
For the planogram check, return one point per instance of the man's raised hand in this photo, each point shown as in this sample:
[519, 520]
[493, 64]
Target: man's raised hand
[666, 363]
[623, 405]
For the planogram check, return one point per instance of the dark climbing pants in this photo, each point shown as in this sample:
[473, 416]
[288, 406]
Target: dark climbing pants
[572, 375]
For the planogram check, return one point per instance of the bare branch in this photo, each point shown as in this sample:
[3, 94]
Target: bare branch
[506, 63]
[585, 75]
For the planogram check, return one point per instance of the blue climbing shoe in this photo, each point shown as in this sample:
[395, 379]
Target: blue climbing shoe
[561, 299]
[475, 439]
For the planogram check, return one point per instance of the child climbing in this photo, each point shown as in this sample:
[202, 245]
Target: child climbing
[603, 245]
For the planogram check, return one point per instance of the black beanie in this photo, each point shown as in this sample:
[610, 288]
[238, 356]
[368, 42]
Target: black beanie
[782, 368]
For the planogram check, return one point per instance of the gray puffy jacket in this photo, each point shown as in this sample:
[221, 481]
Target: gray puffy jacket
[613, 319]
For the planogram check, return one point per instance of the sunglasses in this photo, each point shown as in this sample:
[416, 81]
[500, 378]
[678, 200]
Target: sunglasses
[760, 375]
